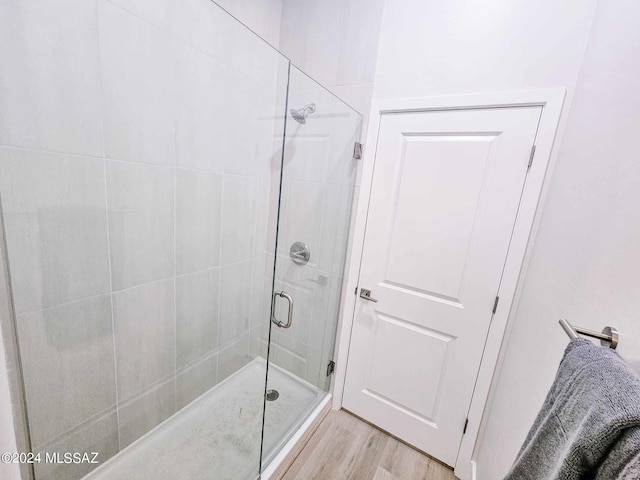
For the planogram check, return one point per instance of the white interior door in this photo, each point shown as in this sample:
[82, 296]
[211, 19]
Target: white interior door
[444, 198]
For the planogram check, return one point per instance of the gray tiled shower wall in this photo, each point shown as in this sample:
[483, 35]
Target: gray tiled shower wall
[136, 165]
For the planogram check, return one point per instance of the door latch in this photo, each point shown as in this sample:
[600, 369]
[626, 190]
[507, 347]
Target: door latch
[366, 294]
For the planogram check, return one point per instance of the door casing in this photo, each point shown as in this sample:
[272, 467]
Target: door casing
[552, 102]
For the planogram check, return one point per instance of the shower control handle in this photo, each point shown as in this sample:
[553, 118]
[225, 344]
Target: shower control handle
[300, 253]
[273, 309]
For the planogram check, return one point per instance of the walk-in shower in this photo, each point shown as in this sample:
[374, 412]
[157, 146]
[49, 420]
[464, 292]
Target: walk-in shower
[151, 194]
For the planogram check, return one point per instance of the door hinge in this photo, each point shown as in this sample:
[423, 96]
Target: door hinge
[466, 424]
[533, 152]
[331, 367]
[495, 304]
[357, 150]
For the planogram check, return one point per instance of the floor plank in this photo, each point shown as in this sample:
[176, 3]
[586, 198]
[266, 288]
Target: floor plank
[346, 448]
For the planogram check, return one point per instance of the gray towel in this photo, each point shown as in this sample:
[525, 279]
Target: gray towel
[589, 425]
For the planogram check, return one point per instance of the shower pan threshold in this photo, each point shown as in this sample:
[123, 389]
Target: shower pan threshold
[217, 436]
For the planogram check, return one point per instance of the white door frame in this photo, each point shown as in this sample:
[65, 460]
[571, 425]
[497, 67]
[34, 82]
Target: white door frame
[551, 101]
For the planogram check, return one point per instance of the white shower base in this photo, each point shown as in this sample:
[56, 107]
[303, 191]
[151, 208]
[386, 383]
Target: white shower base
[217, 436]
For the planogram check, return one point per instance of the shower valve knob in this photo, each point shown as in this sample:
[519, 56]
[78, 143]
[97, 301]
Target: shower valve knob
[300, 253]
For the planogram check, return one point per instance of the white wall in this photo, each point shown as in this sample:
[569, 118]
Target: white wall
[586, 259]
[432, 47]
[584, 262]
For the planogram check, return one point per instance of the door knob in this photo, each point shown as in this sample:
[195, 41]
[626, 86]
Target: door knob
[366, 294]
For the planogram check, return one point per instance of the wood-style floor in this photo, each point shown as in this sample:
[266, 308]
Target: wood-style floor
[346, 448]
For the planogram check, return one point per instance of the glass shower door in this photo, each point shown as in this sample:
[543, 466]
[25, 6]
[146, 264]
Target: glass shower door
[319, 182]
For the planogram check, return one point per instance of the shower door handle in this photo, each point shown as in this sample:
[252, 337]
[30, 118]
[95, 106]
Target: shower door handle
[273, 309]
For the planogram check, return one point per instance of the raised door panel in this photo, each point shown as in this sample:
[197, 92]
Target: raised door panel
[437, 193]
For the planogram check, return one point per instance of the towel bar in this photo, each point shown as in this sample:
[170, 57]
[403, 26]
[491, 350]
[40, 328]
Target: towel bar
[608, 336]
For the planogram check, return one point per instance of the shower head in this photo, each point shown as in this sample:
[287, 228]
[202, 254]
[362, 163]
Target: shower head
[300, 115]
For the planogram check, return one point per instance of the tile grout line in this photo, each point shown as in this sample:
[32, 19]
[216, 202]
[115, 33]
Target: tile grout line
[60, 436]
[184, 42]
[284, 257]
[132, 162]
[176, 99]
[252, 273]
[87, 156]
[175, 283]
[113, 322]
[101, 294]
[218, 293]
[217, 348]
[315, 290]
[103, 157]
[106, 201]
[96, 295]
